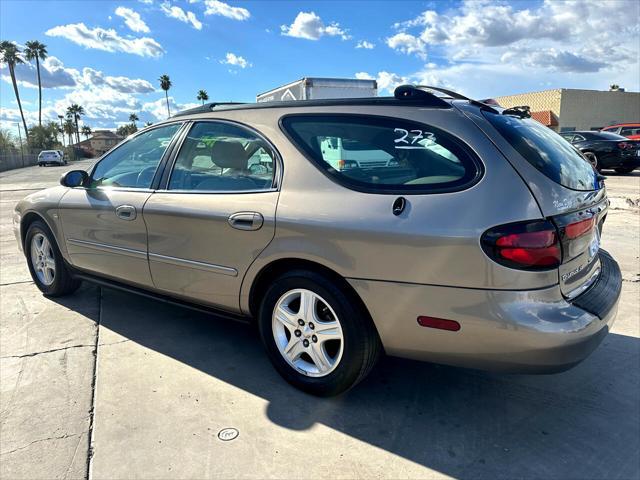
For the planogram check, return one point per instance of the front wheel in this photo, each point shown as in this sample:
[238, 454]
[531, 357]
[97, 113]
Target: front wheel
[46, 264]
[317, 336]
[625, 170]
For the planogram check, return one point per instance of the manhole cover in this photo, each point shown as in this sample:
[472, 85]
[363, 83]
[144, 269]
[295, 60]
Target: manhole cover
[228, 434]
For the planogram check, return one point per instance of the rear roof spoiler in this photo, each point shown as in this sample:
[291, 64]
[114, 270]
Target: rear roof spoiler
[421, 91]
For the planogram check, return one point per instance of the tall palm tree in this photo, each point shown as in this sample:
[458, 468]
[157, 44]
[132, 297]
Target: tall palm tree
[165, 84]
[37, 51]
[86, 131]
[69, 128]
[9, 54]
[203, 95]
[133, 118]
[74, 112]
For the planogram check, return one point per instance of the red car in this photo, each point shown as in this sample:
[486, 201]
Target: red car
[629, 130]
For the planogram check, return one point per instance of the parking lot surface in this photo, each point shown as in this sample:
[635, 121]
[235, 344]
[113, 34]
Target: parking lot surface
[109, 385]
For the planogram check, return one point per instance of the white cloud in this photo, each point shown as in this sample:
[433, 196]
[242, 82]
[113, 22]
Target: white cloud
[91, 77]
[310, 26]
[148, 2]
[107, 40]
[580, 36]
[215, 7]
[408, 44]
[53, 74]
[132, 19]
[235, 60]
[365, 44]
[182, 15]
[158, 108]
[387, 81]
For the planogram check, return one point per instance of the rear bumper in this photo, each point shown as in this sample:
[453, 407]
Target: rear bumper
[512, 331]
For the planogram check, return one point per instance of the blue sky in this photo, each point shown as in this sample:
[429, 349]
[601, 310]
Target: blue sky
[108, 55]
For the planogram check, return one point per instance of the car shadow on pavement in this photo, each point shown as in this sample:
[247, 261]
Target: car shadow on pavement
[467, 424]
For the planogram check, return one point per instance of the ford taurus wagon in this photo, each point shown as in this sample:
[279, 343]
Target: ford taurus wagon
[476, 242]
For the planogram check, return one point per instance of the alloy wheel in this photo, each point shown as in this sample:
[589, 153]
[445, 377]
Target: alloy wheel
[307, 332]
[42, 259]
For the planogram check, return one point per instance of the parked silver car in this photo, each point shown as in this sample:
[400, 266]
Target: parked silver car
[477, 245]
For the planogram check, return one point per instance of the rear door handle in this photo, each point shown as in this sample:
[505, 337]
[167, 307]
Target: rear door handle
[126, 212]
[246, 220]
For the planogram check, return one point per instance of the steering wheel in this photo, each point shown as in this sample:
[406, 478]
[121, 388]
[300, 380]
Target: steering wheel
[145, 177]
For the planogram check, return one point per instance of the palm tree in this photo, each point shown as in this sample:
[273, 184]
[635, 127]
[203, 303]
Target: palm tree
[86, 131]
[202, 95]
[9, 54]
[165, 84]
[74, 112]
[37, 51]
[133, 118]
[69, 128]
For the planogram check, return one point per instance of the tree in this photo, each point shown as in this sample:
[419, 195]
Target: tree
[126, 129]
[202, 95]
[74, 112]
[7, 142]
[133, 118]
[69, 128]
[43, 137]
[614, 87]
[9, 54]
[165, 84]
[86, 131]
[37, 51]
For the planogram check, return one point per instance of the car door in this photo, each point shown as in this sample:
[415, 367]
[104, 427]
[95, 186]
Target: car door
[102, 222]
[215, 214]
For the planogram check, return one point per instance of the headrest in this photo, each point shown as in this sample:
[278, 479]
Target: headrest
[229, 155]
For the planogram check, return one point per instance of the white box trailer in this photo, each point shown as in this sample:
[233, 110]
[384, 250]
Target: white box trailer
[313, 88]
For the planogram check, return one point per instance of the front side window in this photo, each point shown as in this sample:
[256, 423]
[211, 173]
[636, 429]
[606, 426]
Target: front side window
[221, 157]
[382, 154]
[624, 131]
[134, 163]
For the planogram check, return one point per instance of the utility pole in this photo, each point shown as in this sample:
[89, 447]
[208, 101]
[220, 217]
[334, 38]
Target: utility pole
[21, 146]
[61, 129]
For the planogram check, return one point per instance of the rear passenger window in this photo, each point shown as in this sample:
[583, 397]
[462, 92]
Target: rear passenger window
[221, 157]
[381, 154]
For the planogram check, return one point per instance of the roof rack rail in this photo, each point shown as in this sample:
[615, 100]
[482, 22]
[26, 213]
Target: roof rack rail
[420, 91]
[206, 108]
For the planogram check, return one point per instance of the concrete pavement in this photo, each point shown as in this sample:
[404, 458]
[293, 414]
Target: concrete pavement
[149, 386]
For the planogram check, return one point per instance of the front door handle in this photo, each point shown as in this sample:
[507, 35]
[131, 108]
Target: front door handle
[126, 212]
[246, 220]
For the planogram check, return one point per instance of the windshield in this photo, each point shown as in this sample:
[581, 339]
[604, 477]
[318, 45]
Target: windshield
[546, 150]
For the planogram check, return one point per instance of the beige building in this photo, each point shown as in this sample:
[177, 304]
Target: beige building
[566, 109]
[101, 142]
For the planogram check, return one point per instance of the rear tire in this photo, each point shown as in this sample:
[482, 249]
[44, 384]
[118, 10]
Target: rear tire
[46, 265]
[624, 170]
[345, 348]
[593, 160]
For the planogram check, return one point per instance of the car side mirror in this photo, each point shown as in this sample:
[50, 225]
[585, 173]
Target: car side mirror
[74, 178]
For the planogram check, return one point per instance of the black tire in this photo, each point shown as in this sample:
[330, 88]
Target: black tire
[63, 282]
[624, 170]
[361, 347]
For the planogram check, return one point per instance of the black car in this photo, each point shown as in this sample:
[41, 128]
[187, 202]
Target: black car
[606, 150]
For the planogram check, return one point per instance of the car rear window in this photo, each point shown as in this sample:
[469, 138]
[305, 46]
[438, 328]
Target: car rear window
[546, 150]
[383, 154]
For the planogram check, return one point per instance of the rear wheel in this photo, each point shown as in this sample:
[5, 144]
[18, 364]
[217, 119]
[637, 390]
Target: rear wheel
[46, 264]
[625, 169]
[593, 159]
[316, 336]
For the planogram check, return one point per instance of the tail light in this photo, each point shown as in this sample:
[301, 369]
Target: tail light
[577, 229]
[624, 145]
[525, 245]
